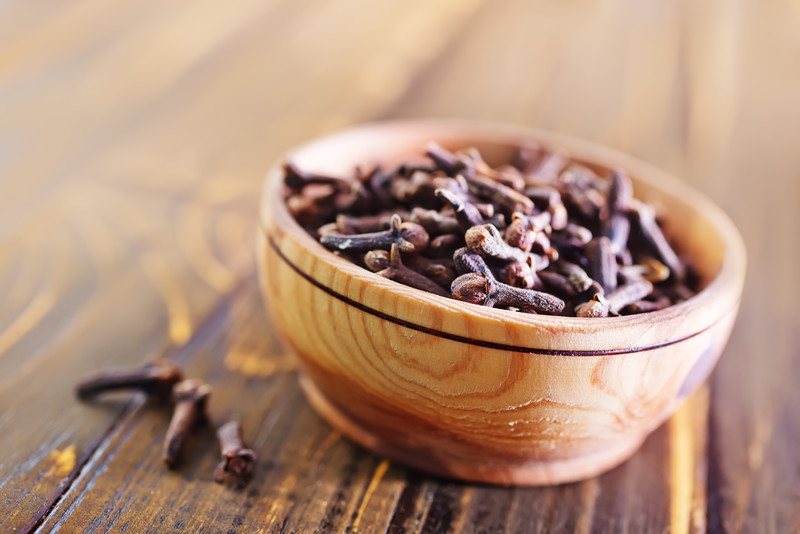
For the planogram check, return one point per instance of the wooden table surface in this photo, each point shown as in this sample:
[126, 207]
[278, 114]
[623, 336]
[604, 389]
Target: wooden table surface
[133, 139]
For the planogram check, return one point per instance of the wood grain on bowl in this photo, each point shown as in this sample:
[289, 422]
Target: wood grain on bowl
[478, 393]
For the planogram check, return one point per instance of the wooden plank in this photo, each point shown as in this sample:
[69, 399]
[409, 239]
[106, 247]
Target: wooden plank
[152, 227]
[751, 167]
[307, 476]
[97, 337]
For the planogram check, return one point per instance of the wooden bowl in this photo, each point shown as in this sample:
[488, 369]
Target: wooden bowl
[477, 393]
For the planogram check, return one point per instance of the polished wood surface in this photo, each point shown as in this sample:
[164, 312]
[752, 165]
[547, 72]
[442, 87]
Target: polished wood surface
[133, 141]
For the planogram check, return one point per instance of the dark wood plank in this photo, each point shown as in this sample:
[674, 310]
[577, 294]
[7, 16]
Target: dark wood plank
[147, 198]
[754, 469]
[308, 477]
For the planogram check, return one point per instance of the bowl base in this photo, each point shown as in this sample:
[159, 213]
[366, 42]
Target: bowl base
[515, 473]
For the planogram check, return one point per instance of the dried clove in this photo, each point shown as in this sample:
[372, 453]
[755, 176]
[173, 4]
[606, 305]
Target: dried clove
[445, 245]
[521, 268]
[507, 175]
[347, 224]
[467, 261]
[378, 184]
[613, 216]
[544, 197]
[314, 205]
[466, 212]
[486, 240]
[438, 271]
[155, 378]
[328, 229]
[558, 283]
[548, 170]
[579, 189]
[191, 397]
[507, 199]
[602, 263]
[480, 289]
[625, 258]
[620, 195]
[573, 235]
[473, 165]
[408, 237]
[237, 460]
[519, 275]
[597, 306]
[376, 260]
[617, 230]
[559, 217]
[543, 245]
[434, 222]
[648, 268]
[525, 231]
[646, 306]
[628, 294]
[651, 233]
[400, 273]
[443, 158]
[486, 209]
[421, 188]
[576, 276]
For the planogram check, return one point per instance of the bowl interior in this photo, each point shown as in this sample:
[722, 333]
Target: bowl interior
[691, 222]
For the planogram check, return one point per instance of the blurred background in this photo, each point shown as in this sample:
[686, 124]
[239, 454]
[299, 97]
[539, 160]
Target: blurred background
[134, 136]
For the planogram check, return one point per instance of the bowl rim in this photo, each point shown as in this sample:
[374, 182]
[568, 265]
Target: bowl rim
[730, 278]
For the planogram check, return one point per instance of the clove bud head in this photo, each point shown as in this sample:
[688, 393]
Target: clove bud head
[414, 237]
[486, 239]
[470, 287]
[376, 260]
[237, 460]
[597, 306]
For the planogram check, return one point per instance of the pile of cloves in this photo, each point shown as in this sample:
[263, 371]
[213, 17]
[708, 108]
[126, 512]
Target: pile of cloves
[540, 234]
[164, 381]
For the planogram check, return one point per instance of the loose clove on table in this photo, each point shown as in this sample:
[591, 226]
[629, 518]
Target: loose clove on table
[164, 380]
